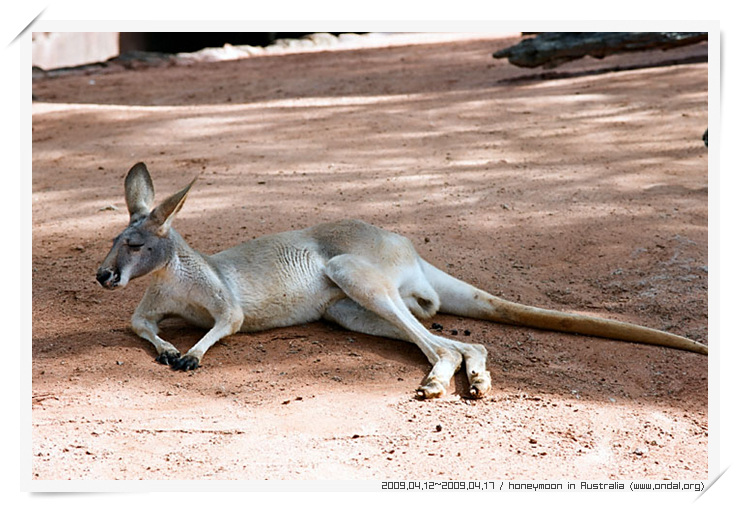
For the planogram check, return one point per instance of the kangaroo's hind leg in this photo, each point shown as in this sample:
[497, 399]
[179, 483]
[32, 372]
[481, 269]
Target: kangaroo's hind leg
[354, 317]
[376, 307]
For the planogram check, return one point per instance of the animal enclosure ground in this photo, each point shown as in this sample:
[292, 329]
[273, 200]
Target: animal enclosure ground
[583, 192]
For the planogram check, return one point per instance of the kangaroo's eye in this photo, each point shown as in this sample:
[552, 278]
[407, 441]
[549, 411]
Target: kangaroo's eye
[135, 246]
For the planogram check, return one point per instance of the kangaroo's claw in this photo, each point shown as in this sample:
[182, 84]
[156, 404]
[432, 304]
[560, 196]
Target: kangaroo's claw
[185, 363]
[168, 358]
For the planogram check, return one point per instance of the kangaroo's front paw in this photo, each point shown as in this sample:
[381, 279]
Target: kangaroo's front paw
[186, 362]
[168, 357]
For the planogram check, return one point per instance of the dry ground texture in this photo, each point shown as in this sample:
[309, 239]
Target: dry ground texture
[583, 191]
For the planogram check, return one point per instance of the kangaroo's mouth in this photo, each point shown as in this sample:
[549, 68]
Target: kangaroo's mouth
[108, 279]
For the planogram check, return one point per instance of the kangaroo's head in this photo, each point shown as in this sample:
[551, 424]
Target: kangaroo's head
[145, 245]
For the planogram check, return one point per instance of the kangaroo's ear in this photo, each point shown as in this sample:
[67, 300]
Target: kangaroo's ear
[162, 216]
[139, 191]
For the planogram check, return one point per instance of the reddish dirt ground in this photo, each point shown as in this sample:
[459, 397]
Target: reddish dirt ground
[583, 190]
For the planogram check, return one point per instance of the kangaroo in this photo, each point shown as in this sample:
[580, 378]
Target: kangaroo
[349, 272]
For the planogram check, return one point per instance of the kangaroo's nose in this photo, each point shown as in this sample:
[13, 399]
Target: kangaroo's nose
[103, 276]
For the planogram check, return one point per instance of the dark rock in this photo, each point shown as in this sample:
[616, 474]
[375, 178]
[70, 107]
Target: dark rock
[551, 49]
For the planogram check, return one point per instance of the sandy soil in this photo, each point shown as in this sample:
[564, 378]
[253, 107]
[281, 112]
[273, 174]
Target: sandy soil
[583, 190]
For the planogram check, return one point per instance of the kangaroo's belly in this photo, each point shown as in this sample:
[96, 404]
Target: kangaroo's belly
[289, 306]
[279, 284]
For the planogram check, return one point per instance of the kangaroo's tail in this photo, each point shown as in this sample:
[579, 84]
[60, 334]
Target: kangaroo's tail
[460, 298]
